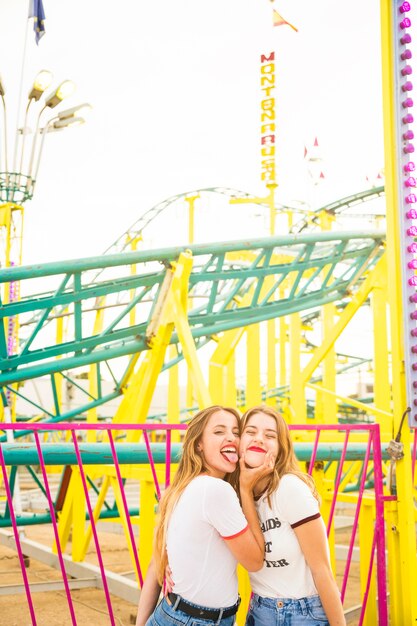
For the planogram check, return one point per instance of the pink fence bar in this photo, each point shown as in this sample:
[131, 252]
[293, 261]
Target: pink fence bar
[314, 453]
[17, 539]
[152, 464]
[55, 527]
[374, 449]
[356, 519]
[126, 508]
[380, 529]
[75, 429]
[337, 482]
[168, 459]
[93, 527]
[372, 458]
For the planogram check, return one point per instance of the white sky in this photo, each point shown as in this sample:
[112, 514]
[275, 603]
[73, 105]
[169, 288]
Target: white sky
[176, 96]
[175, 90]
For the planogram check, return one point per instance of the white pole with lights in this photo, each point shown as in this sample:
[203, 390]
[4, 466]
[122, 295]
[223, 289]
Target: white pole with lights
[70, 117]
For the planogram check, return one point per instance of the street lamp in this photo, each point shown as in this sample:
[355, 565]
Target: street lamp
[64, 90]
[64, 119]
[42, 81]
[17, 185]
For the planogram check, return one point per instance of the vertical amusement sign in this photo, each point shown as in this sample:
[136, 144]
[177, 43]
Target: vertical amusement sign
[268, 118]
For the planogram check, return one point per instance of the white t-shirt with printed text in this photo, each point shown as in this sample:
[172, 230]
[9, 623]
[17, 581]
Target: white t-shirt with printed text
[203, 568]
[285, 573]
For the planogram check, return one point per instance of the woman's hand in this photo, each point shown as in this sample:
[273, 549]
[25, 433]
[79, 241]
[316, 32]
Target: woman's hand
[249, 476]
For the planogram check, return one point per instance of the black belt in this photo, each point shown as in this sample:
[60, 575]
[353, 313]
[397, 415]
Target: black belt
[195, 611]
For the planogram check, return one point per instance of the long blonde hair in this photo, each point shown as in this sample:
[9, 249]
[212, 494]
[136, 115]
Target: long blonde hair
[190, 466]
[286, 461]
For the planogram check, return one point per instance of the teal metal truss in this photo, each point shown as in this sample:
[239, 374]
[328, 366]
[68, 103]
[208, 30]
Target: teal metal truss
[320, 268]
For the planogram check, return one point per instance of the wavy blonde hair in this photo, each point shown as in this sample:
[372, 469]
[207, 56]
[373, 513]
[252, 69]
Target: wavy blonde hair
[286, 461]
[190, 466]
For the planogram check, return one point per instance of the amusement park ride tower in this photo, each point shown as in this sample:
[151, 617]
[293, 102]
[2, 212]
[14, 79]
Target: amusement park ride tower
[196, 294]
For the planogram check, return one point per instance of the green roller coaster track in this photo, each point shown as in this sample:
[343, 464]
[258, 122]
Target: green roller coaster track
[317, 268]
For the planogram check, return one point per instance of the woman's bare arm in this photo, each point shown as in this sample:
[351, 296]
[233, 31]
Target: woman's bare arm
[313, 542]
[149, 596]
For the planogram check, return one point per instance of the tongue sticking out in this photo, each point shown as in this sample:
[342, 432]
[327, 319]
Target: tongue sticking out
[231, 456]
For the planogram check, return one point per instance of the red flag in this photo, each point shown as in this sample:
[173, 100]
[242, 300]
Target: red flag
[278, 20]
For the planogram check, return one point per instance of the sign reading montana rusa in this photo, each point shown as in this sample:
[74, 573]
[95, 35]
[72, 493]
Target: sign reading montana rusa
[268, 118]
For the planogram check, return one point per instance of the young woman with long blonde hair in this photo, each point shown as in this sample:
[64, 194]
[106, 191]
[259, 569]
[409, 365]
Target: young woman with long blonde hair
[296, 584]
[202, 529]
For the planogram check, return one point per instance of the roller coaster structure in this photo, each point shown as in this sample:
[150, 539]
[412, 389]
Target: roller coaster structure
[139, 313]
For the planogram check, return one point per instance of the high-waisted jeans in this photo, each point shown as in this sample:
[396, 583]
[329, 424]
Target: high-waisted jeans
[286, 612]
[166, 615]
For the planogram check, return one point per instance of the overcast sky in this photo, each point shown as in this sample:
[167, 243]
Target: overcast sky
[174, 86]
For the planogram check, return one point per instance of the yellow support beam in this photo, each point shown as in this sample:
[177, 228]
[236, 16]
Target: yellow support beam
[329, 368]
[220, 370]
[366, 408]
[382, 387]
[298, 407]
[403, 603]
[271, 371]
[253, 366]
[173, 409]
[358, 299]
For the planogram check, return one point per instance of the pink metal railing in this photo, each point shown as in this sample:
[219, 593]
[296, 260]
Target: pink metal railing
[74, 428]
[374, 446]
[373, 451]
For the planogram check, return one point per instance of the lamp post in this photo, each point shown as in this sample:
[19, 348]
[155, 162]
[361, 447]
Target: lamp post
[17, 184]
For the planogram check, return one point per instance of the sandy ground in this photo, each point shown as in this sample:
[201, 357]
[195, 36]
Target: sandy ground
[51, 608]
[90, 607]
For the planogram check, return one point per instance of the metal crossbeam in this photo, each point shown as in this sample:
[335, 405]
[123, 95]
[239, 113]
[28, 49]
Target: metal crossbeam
[313, 269]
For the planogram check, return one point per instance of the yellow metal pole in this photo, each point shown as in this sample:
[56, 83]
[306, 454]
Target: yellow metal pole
[268, 200]
[147, 503]
[191, 215]
[231, 395]
[329, 406]
[298, 406]
[358, 299]
[93, 373]
[382, 388]
[366, 532]
[133, 246]
[9, 221]
[173, 395]
[271, 374]
[218, 367]
[406, 554]
[329, 368]
[253, 368]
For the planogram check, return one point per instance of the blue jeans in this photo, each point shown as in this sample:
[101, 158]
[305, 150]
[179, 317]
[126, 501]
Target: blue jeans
[166, 615]
[286, 612]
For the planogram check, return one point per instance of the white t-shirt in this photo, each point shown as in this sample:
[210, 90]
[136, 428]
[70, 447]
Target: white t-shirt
[285, 573]
[203, 568]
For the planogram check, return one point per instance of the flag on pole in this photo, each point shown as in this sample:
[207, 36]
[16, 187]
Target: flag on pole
[279, 20]
[36, 11]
